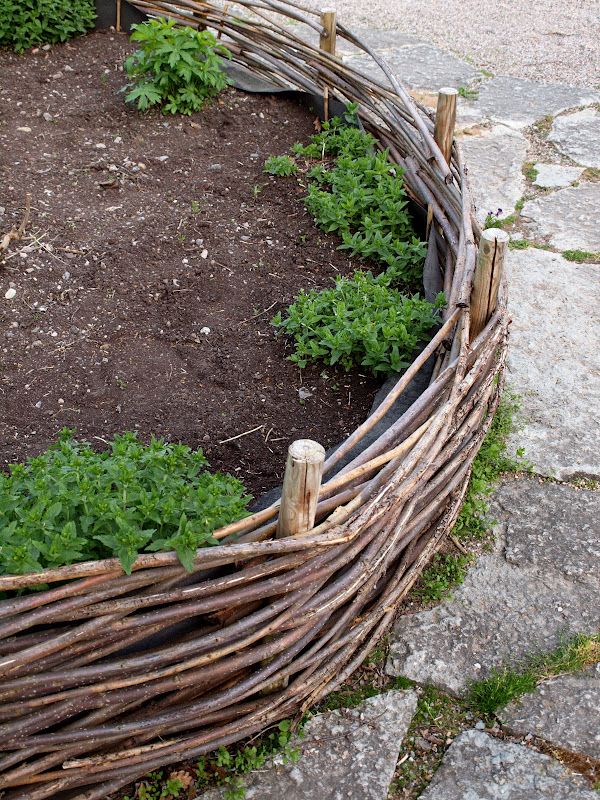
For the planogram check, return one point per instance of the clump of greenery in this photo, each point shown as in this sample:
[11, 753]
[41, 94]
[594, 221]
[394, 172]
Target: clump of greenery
[72, 504]
[361, 321]
[467, 93]
[357, 193]
[364, 320]
[26, 23]
[503, 685]
[491, 461]
[444, 573]
[176, 67]
[581, 256]
[282, 166]
[225, 767]
[529, 171]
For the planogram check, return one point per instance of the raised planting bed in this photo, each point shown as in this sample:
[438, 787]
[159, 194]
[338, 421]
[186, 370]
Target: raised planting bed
[105, 676]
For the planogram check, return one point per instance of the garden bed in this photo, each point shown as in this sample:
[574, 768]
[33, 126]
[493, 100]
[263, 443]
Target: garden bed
[105, 676]
[145, 231]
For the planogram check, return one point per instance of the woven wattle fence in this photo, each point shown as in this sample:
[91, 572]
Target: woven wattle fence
[103, 676]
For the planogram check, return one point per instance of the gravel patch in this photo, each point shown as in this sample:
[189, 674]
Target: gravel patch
[549, 40]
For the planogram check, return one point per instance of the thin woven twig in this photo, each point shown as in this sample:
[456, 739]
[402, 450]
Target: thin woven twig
[103, 676]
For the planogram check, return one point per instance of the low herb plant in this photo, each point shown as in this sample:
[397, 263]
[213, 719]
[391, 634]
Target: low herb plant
[175, 67]
[357, 193]
[26, 23]
[362, 321]
[282, 166]
[226, 767]
[72, 504]
[366, 320]
[445, 572]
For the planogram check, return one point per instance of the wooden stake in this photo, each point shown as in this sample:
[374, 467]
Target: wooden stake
[445, 120]
[301, 484]
[488, 272]
[118, 17]
[327, 44]
[443, 133]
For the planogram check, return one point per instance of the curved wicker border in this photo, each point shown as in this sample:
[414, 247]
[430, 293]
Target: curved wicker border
[272, 624]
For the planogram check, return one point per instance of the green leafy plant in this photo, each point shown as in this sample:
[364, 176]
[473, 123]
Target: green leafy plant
[503, 685]
[357, 193]
[283, 166]
[361, 321]
[444, 573]
[176, 67]
[468, 94]
[581, 256]
[25, 23]
[226, 767]
[73, 504]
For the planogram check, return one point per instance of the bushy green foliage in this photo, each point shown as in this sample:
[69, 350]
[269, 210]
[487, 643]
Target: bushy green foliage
[25, 23]
[73, 504]
[283, 166]
[360, 196]
[361, 321]
[364, 320]
[176, 67]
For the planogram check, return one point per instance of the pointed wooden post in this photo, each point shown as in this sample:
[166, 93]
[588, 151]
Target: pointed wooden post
[299, 496]
[488, 273]
[301, 484]
[443, 132]
[445, 120]
[327, 44]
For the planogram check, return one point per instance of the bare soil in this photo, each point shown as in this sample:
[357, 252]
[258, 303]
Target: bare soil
[156, 254]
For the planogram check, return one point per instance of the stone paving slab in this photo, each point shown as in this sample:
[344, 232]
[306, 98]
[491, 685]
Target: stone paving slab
[564, 711]
[419, 66]
[503, 612]
[555, 176]
[478, 767]
[568, 219]
[494, 160]
[345, 754]
[578, 136]
[547, 542]
[553, 361]
[519, 102]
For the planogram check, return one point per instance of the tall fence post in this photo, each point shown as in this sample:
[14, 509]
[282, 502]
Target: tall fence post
[488, 274]
[327, 44]
[301, 484]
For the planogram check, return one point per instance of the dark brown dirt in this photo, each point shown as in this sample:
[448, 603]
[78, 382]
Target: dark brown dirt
[156, 254]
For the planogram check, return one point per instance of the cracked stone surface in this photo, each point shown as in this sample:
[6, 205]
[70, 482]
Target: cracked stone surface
[519, 102]
[419, 66]
[494, 160]
[479, 767]
[505, 611]
[555, 176]
[567, 218]
[346, 753]
[553, 361]
[564, 711]
[578, 136]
